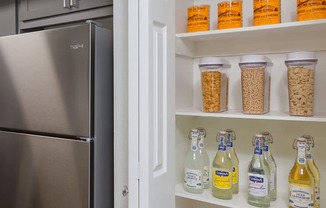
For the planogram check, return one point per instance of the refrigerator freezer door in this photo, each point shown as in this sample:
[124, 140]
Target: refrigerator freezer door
[44, 172]
[45, 81]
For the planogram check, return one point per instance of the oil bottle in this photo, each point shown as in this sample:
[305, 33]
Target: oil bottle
[271, 164]
[193, 166]
[203, 154]
[301, 180]
[313, 168]
[222, 170]
[230, 137]
[258, 175]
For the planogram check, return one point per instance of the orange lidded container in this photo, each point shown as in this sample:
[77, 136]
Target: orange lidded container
[229, 14]
[267, 12]
[311, 9]
[198, 18]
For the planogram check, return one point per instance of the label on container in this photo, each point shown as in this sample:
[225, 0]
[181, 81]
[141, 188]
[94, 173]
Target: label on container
[222, 179]
[258, 184]
[317, 194]
[235, 174]
[193, 178]
[311, 9]
[267, 12]
[301, 197]
[229, 14]
[198, 18]
[206, 175]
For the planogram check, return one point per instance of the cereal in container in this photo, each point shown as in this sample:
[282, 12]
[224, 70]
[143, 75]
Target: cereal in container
[214, 83]
[301, 82]
[255, 82]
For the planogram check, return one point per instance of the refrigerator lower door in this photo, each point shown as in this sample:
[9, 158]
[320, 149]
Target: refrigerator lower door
[44, 172]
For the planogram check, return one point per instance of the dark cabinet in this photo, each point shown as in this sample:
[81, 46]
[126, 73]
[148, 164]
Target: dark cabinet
[7, 17]
[35, 9]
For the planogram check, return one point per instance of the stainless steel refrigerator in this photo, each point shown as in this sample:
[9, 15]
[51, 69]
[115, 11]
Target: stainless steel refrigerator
[56, 118]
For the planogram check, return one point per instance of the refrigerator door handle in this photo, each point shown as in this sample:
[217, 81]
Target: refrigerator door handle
[66, 4]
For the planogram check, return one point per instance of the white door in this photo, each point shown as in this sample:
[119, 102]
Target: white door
[151, 103]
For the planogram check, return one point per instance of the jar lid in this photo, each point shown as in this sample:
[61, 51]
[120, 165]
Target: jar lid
[213, 61]
[301, 56]
[250, 59]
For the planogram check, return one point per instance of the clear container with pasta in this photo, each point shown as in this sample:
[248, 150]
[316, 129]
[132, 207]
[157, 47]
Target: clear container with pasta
[255, 84]
[301, 82]
[214, 84]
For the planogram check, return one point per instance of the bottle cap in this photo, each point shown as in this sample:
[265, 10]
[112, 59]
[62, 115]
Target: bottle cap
[213, 61]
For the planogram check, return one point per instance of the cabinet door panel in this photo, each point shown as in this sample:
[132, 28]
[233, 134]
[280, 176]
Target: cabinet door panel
[7, 17]
[35, 9]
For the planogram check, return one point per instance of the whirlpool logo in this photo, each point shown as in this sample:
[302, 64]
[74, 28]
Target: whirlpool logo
[76, 46]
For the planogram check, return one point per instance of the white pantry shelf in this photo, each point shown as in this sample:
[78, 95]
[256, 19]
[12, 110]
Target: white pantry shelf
[238, 200]
[279, 116]
[276, 38]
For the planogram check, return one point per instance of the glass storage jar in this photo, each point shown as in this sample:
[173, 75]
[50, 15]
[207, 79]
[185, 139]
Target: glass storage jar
[214, 82]
[301, 82]
[255, 83]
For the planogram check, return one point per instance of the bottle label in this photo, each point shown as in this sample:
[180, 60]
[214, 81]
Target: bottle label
[258, 185]
[311, 9]
[266, 12]
[222, 147]
[229, 14]
[258, 151]
[301, 196]
[206, 175]
[193, 178]
[222, 179]
[198, 18]
[235, 173]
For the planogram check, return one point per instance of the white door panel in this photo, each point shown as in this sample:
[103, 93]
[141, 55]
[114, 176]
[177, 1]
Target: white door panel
[151, 98]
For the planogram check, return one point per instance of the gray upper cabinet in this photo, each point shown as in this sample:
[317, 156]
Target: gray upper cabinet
[36, 9]
[7, 17]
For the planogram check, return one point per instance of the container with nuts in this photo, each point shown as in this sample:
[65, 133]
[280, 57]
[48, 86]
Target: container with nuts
[255, 83]
[214, 83]
[301, 74]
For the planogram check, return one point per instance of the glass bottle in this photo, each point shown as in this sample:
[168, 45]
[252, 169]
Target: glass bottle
[203, 154]
[271, 164]
[222, 170]
[313, 168]
[230, 137]
[258, 176]
[301, 181]
[193, 167]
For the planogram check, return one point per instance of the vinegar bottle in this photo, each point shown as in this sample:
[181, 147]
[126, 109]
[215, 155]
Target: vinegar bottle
[193, 167]
[271, 164]
[230, 137]
[222, 170]
[203, 154]
[301, 180]
[258, 176]
[313, 168]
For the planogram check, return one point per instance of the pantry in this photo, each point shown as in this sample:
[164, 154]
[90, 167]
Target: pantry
[158, 110]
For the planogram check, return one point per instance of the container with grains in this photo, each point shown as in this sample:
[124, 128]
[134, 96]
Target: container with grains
[255, 82]
[301, 82]
[214, 83]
